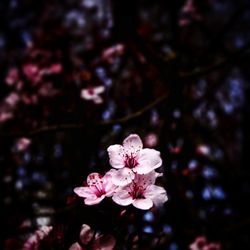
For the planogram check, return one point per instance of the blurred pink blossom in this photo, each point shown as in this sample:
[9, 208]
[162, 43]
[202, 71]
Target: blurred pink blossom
[93, 94]
[33, 242]
[201, 243]
[12, 99]
[47, 90]
[188, 14]
[203, 149]
[110, 53]
[31, 71]
[151, 140]
[29, 99]
[131, 158]
[91, 241]
[141, 192]
[12, 76]
[5, 115]
[22, 144]
[98, 187]
[175, 149]
[55, 68]
[19, 85]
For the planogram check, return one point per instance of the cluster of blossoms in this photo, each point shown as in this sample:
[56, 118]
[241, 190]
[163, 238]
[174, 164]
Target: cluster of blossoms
[130, 181]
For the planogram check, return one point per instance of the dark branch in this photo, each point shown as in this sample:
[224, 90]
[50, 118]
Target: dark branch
[58, 127]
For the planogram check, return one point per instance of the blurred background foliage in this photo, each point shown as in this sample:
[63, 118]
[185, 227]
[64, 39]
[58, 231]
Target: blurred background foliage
[174, 72]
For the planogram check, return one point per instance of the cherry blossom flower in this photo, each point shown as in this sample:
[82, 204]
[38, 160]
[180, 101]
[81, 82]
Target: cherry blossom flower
[55, 68]
[188, 14]
[110, 53]
[12, 76]
[31, 71]
[22, 144]
[12, 99]
[201, 243]
[131, 158]
[141, 192]
[93, 94]
[151, 140]
[97, 188]
[203, 149]
[90, 240]
[47, 90]
[5, 115]
[33, 242]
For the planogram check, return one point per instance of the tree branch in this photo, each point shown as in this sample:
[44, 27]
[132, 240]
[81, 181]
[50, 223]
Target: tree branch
[233, 58]
[58, 127]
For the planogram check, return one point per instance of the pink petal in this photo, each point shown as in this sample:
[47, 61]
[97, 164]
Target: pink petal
[84, 192]
[97, 100]
[85, 94]
[104, 242]
[93, 200]
[143, 203]
[75, 246]
[22, 143]
[148, 160]
[132, 144]
[123, 177]
[116, 156]
[157, 194]
[145, 179]
[93, 179]
[98, 90]
[108, 185]
[86, 234]
[212, 246]
[122, 198]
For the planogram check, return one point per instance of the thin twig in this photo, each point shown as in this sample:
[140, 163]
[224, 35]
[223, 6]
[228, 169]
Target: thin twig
[69, 126]
[137, 113]
[231, 59]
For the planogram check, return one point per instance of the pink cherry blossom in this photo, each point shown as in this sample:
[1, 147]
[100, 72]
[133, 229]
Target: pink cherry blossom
[201, 243]
[12, 99]
[189, 13]
[33, 242]
[47, 90]
[5, 114]
[97, 188]
[203, 149]
[110, 53]
[90, 240]
[31, 71]
[141, 192]
[12, 76]
[93, 94]
[22, 144]
[55, 68]
[131, 158]
[212, 246]
[151, 140]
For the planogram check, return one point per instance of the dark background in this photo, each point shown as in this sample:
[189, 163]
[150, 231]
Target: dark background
[182, 75]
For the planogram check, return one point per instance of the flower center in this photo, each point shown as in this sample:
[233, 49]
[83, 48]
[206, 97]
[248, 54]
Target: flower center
[99, 192]
[137, 192]
[98, 188]
[130, 162]
[91, 91]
